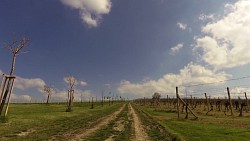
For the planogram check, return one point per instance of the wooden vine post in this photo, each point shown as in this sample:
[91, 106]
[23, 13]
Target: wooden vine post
[178, 102]
[207, 102]
[229, 98]
[8, 80]
[246, 100]
[92, 104]
[184, 103]
[102, 97]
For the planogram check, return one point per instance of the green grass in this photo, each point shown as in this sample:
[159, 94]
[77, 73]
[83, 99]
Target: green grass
[47, 121]
[206, 128]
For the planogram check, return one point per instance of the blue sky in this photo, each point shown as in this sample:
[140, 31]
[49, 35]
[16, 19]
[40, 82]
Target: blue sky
[131, 48]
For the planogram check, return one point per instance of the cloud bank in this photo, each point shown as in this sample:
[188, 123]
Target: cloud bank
[190, 74]
[91, 11]
[24, 83]
[226, 43]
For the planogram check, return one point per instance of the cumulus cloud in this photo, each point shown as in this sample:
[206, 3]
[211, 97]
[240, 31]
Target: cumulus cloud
[182, 26]
[226, 43]
[91, 11]
[190, 74]
[20, 98]
[239, 92]
[23, 83]
[176, 48]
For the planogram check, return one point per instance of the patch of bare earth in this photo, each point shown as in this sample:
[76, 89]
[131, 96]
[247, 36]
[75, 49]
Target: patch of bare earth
[25, 133]
[80, 135]
[110, 138]
[139, 132]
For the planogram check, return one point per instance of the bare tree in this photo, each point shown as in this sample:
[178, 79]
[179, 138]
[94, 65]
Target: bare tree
[15, 48]
[72, 81]
[48, 90]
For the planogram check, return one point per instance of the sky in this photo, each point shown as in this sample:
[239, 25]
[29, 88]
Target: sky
[127, 48]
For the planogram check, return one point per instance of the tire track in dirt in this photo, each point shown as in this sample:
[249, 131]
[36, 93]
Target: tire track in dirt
[100, 123]
[139, 132]
[122, 126]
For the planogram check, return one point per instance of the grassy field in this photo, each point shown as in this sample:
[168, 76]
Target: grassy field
[206, 128]
[49, 121]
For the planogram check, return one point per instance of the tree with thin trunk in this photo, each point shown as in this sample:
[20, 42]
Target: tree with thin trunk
[156, 98]
[72, 81]
[15, 48]
[47, 90]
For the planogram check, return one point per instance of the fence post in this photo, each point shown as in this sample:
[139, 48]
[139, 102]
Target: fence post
[206, 101]
[229, 98]
[167, 101]
[246, 100]
[178, 102]
[2, 88]
[8, 102]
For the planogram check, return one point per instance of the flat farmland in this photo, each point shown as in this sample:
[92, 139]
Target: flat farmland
[50, 121]
[214, 126]
[120, 121]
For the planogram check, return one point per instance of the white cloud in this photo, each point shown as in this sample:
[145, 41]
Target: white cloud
[226, 44]
[191, 74]
[239, 92]
[204, 17]
[91, 11]
[182, 26]
[82, 83]
[20, 98]
[176, 48]
[23, 83]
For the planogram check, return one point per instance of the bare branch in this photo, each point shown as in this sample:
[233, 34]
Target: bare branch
[15, 47]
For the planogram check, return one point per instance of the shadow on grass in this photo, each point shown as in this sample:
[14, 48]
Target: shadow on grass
[4, 119]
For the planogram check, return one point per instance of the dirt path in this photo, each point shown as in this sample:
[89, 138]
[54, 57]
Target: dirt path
[140, 133]
[80, 134]
[120, 127]
[100, 123]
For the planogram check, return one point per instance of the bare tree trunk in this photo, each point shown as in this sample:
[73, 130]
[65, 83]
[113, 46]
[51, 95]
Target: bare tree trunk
[48, 99]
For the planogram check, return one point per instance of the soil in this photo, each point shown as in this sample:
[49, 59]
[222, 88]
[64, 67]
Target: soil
[139, 132]
[102, 122]
[25, 133]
